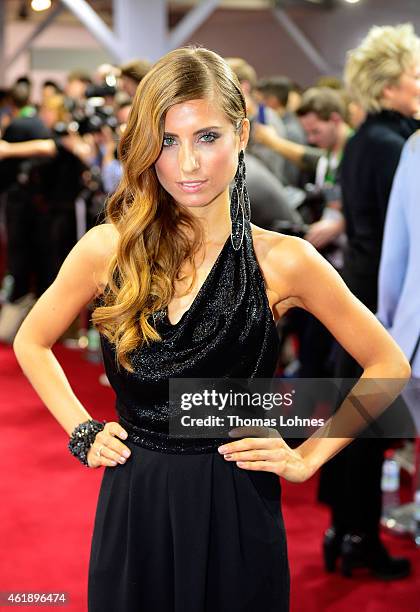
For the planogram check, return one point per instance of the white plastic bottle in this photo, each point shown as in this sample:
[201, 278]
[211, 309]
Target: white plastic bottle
[94, 344]
[417, 518]
[390, 485]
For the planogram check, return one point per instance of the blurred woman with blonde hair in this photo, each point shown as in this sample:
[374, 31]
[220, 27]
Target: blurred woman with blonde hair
[53, 110]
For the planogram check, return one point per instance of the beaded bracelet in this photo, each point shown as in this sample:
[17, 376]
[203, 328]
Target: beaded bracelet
[83, 437]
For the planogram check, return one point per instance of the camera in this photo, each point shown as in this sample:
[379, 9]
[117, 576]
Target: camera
[91, 116]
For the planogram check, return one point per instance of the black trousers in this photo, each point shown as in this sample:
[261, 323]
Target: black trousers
[39, 237]
[187, 533]
[350, 483]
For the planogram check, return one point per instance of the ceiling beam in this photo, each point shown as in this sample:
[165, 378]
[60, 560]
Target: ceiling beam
[96, 26]
[302, 41]
[191, 22]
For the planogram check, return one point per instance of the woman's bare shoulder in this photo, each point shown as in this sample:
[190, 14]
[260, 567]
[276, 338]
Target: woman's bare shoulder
[284, 250]
[103, 239]
[100, 242]
[284, 261]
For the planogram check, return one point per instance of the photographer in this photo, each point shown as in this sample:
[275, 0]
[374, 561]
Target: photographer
[111, 166]
[41, 175]
[321, 114]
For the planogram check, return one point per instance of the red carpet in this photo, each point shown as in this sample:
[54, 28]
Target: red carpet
[48, 504]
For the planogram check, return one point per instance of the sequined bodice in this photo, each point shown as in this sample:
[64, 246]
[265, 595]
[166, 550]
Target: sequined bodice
[228, 332]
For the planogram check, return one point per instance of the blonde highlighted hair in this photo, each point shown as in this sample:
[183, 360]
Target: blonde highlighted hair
[57, 103]
[154, 231]
[379, 61]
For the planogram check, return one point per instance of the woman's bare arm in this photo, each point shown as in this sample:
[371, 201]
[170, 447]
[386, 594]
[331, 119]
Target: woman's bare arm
[320, 290]
[76, 284]
[296, 271]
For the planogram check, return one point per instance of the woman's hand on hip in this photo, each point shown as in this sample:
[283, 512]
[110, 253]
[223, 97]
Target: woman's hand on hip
[268, 455]
[107, 450]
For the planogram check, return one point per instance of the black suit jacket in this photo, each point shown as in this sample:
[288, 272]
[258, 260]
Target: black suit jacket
[369, 163]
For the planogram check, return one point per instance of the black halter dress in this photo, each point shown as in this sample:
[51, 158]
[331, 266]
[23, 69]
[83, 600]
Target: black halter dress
[178, 528]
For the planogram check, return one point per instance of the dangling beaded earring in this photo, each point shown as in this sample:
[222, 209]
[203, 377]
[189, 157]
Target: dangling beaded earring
[239, 200]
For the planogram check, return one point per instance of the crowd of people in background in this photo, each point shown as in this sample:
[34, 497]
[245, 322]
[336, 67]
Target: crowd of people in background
[320, 165]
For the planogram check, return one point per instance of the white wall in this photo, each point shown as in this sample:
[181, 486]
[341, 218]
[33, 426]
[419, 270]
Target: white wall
[56, 36]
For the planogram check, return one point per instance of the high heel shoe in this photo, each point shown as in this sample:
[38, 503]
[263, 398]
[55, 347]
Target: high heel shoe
[331, 548]
[360, 551]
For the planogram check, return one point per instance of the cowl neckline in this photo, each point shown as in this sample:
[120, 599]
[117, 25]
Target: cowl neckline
[162, 315]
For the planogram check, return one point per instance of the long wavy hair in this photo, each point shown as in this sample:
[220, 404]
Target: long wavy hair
[155, 233]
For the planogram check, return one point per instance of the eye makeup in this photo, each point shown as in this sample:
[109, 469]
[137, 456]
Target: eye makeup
[210, 137]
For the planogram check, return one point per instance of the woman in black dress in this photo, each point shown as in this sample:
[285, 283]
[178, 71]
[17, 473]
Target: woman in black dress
[188, 288]
[383, 75]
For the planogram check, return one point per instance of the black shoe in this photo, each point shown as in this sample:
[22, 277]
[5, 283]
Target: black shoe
[361, 551]
[331, 548]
